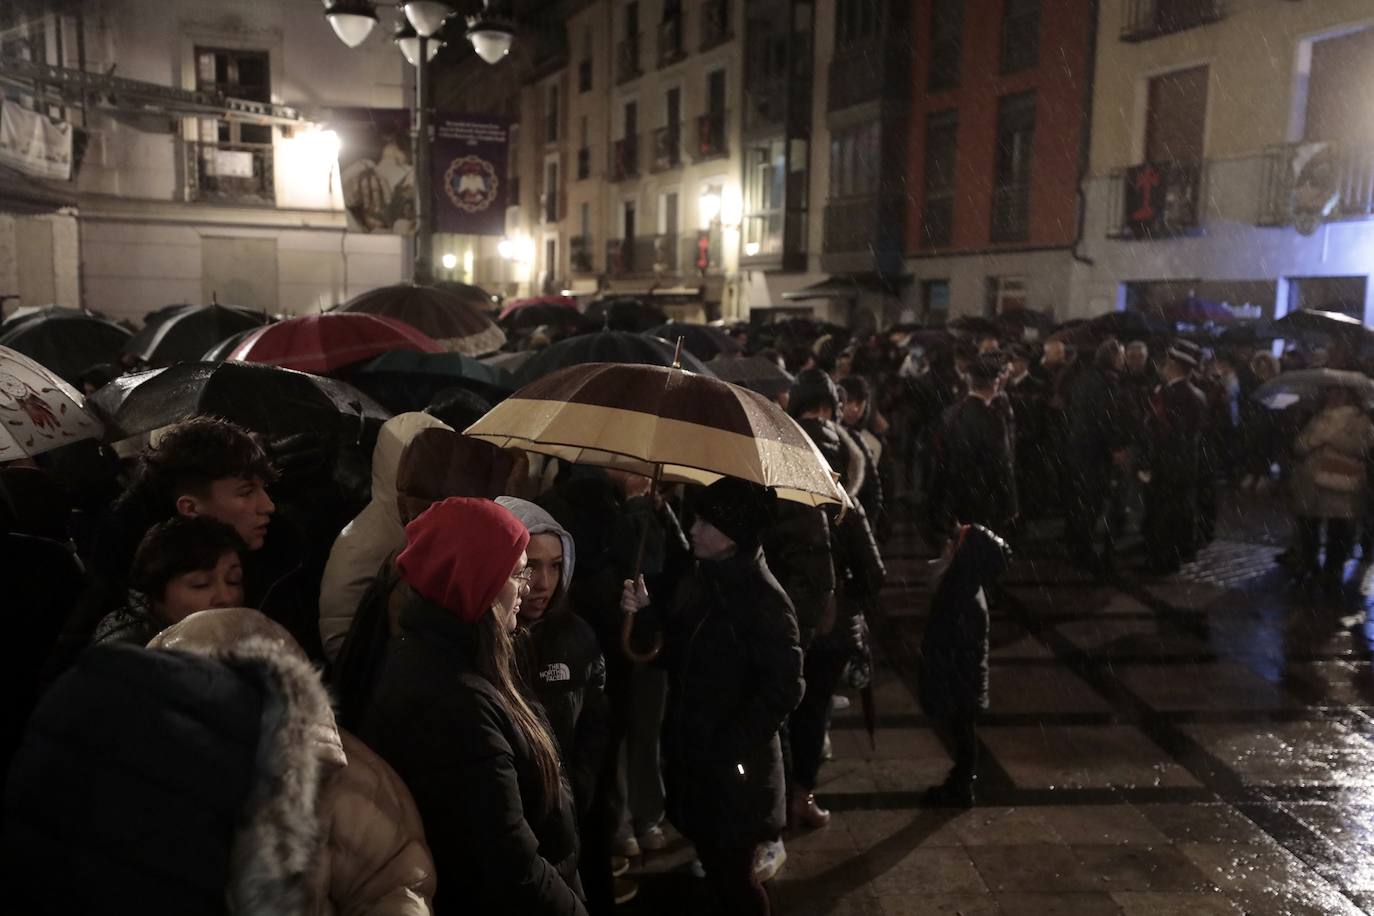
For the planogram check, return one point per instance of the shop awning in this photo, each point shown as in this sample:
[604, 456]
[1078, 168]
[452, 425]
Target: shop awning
[848, 286]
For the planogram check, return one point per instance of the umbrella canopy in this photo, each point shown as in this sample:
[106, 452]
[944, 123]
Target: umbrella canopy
[701, 340]
[975, 326]
[604, 347]
[656, 420]
[453, 320]
[1315, 321]
[30, 312]
[265, 399]
[1249, 333]
[757, 373]
[563, 303]
[323, 343]
[626, 314]
[65, 343]
[1289, 388]
[188, 331]
[220, 351]
[38, 411]
[509, 362]
[405, 380]
[474, 296]
[1125, 325]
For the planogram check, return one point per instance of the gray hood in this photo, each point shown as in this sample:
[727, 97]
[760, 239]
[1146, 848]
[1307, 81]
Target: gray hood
[537, 521]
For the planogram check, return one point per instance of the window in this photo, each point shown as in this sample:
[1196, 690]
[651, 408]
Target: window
[551, 208]
[855, 20]
[584, 67]
[942, 150]
[1020, 35]
[1175, 121]
[584, 219]
[856, 160]
[1337, 99]
[238, 75]
[1013, 157]
[765, 197]
[946, 43]
[551, 115]
[1004, 294]
[935, 300]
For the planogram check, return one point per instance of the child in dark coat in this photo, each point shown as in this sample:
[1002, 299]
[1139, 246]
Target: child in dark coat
[954, 655]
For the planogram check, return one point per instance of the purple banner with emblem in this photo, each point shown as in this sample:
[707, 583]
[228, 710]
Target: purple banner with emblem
[470, 186]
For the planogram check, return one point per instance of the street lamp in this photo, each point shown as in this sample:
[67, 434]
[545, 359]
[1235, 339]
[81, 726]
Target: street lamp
[491, 36]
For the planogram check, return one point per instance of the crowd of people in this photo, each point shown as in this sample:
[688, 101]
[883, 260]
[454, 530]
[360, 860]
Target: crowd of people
[487, 682]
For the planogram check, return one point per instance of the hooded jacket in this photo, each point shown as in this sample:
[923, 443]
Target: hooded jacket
[375, 534]
[567, 670]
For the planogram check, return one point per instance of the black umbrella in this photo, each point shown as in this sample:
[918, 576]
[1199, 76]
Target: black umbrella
[605, 347]
[265, 399]
[625, 314]
[67, 344]
[220, 351]
[702, 341]
[1124, 325]
[757, 373]
[183, 333]
[1305, 322]
[406, 380]
[974, 326]
[1249, 334]
[535, 315]
[30, 312]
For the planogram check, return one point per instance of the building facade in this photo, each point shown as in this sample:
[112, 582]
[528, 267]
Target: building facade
[997, 145]
[1232, 156]
[178, 196]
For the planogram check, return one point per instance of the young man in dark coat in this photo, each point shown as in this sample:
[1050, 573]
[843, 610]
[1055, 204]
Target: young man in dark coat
[976, 449]
[734, 667]
[1177, 417]
[954, 655]
[1099, 431]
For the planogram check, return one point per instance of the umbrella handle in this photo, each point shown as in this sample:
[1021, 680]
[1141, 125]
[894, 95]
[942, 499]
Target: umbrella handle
[627, 625]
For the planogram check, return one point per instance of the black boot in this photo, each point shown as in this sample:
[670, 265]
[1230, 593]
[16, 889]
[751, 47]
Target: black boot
[955, 792]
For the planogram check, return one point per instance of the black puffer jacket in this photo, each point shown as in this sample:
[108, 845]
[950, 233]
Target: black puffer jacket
[570, 681]
[859, 569]
[734, 668]
[445, 730]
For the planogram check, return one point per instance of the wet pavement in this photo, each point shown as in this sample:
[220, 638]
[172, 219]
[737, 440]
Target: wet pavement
[1194, 744]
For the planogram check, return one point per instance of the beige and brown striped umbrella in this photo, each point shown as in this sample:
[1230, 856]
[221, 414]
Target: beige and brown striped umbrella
[653, 419]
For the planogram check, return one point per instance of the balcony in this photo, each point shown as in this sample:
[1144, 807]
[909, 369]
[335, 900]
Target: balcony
[230, 173]
[871, 70]
[1146, 19]
[670, 48]
[774, 239]
[863, 234]
[625, 159]
[627, 60]
[667, 148]
[710, 139]
[1306, 184]
[1157, 200]
[580, 257]
[665, 254]
[715, 24]
[702, 253]
[584, 164]
[647, 255]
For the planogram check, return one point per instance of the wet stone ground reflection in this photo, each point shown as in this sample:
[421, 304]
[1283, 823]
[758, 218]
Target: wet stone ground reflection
[1192, 745]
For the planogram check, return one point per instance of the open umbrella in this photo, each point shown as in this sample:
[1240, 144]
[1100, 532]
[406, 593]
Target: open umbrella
[702, 341]
[604, 347]
[187, 331]
[68, 344]
[323, 343]
[1285, 390]
[220, 351]
[625, 314]
[474, 296]
[454, 321]
[974, 326]
[405, 380]
[30, 312]
[38, 411]
[1306, 322]
[757, 373]
[509, 362]
[565, 303]
[265, 399]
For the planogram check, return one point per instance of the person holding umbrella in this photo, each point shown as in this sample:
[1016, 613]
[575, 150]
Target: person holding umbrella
[734, 663]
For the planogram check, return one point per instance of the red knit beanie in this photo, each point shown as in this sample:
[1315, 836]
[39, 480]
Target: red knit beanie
[460, 552]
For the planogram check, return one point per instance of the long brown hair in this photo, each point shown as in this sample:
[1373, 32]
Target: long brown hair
[496, 662]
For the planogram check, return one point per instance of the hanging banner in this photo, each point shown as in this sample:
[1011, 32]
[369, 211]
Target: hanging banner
[35, 144]
[1146, 192]
[376, 168]
[470, 186]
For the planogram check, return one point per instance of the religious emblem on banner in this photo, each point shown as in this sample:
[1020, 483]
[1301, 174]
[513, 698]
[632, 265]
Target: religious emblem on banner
[1316, 185]
[471, 183]
[1146, 192]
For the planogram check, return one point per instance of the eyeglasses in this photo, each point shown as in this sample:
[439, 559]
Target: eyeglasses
[524, 576]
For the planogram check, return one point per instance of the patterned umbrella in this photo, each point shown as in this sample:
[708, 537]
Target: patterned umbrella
[454, 321]
[38, 411]
[323, 343]
[188, 331]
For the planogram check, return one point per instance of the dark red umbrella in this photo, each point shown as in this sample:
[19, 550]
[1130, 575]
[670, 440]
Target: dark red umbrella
[323, 343]
[452, 320]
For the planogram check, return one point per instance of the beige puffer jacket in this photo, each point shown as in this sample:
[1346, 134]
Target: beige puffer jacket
[375, 534]
[359, 847]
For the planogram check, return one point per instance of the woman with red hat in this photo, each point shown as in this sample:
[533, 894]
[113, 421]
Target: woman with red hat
[450, 715]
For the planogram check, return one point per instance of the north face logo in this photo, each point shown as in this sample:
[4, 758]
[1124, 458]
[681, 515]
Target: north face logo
[556, 673]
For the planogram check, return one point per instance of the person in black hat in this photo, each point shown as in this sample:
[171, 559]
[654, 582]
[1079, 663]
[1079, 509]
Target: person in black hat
[1098, 435]
[1177, 416]
[734, 674]
[976, 469]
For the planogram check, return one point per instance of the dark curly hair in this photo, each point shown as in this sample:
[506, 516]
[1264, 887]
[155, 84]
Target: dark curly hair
[195, 453]
[178, 546]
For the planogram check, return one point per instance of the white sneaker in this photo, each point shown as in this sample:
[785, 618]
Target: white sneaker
[768, 859]
[653, 840]
[840, 702]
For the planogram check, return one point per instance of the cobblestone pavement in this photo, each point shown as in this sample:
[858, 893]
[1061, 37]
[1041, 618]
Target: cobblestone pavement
[1190, 745]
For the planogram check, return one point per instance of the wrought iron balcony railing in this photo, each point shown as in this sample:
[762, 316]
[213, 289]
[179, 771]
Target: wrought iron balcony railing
[239, 173]
[667, 148]
[627, 60]
[1157, 200]
[710, 139]
[625, 159]
[1306, 184]
[1146, 19]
